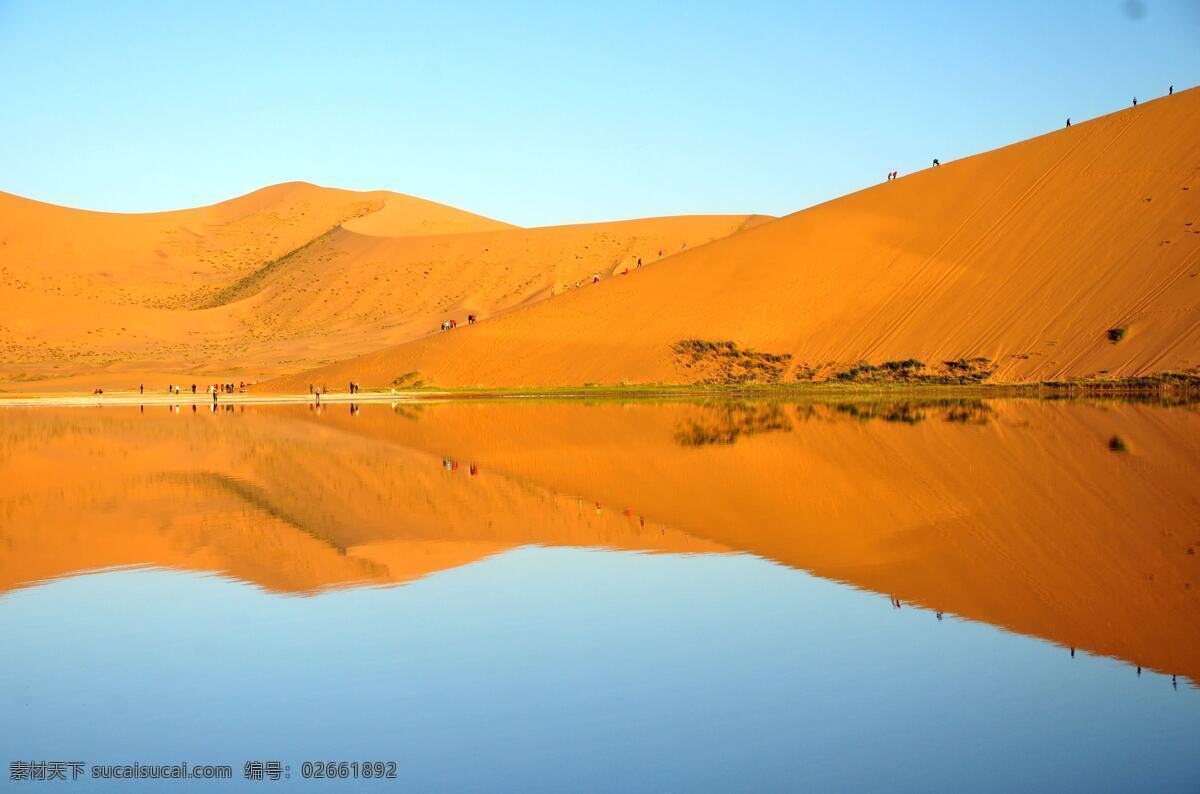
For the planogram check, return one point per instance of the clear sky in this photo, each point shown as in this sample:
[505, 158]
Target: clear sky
[552, 112]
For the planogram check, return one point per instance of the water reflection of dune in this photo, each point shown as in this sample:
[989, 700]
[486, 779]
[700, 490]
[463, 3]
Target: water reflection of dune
[1021, 514]
[1017, 513]
[284, 504]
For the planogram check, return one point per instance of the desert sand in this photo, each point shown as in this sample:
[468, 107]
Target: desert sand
[280, 280]
[1026, 256]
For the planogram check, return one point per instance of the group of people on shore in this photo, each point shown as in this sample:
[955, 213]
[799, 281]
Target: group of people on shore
[212, 388]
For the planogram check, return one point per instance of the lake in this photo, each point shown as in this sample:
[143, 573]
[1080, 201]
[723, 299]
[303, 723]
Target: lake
[898, 595]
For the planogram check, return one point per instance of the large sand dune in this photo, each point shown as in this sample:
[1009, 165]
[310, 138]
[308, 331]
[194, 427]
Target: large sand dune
[283, 279]
[1026, 256]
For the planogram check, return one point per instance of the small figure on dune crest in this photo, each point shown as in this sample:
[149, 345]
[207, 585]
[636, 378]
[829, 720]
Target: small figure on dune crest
[1068, 122]
[936, 162]
[1170, 90]
[1135, 101]
[471, 319]
[595, 278]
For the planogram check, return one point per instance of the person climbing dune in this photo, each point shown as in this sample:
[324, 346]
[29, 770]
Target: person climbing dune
[1068, 122]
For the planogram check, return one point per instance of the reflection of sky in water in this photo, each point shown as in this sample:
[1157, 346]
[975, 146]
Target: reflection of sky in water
[564, 669]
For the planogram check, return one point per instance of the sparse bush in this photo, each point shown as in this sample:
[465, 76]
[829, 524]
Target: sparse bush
[725, 362]
[408, 379]
[1117, 334]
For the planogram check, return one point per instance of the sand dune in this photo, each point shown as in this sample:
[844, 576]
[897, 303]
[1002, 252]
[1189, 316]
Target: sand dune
[277, 281]
[1026, 256]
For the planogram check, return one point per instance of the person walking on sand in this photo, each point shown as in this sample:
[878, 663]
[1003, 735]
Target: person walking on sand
[936, 162]
[1135, 101]
[214, 398]
[1170, 90]
[595, 278]
[1068, 121]
[141, 388]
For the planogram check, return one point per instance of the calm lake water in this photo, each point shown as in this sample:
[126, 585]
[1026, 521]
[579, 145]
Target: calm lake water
[546, 596]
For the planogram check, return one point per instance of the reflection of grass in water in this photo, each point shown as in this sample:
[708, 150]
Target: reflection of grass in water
[907, 413]
[726, 423]
[410, 411]
[911, 412]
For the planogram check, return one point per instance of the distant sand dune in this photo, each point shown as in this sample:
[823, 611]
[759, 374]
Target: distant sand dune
[280, 280]
[1027, 256]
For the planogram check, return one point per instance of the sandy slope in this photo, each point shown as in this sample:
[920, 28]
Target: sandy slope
[282, 279]
[1025, 255]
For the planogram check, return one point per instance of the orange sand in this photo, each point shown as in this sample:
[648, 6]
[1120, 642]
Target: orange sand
[1025, 255]
[277, 281]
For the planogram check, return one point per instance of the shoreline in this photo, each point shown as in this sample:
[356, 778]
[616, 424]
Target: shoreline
[1184, 389]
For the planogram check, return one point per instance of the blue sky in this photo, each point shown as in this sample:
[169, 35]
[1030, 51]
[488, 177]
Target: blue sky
[541, 113]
